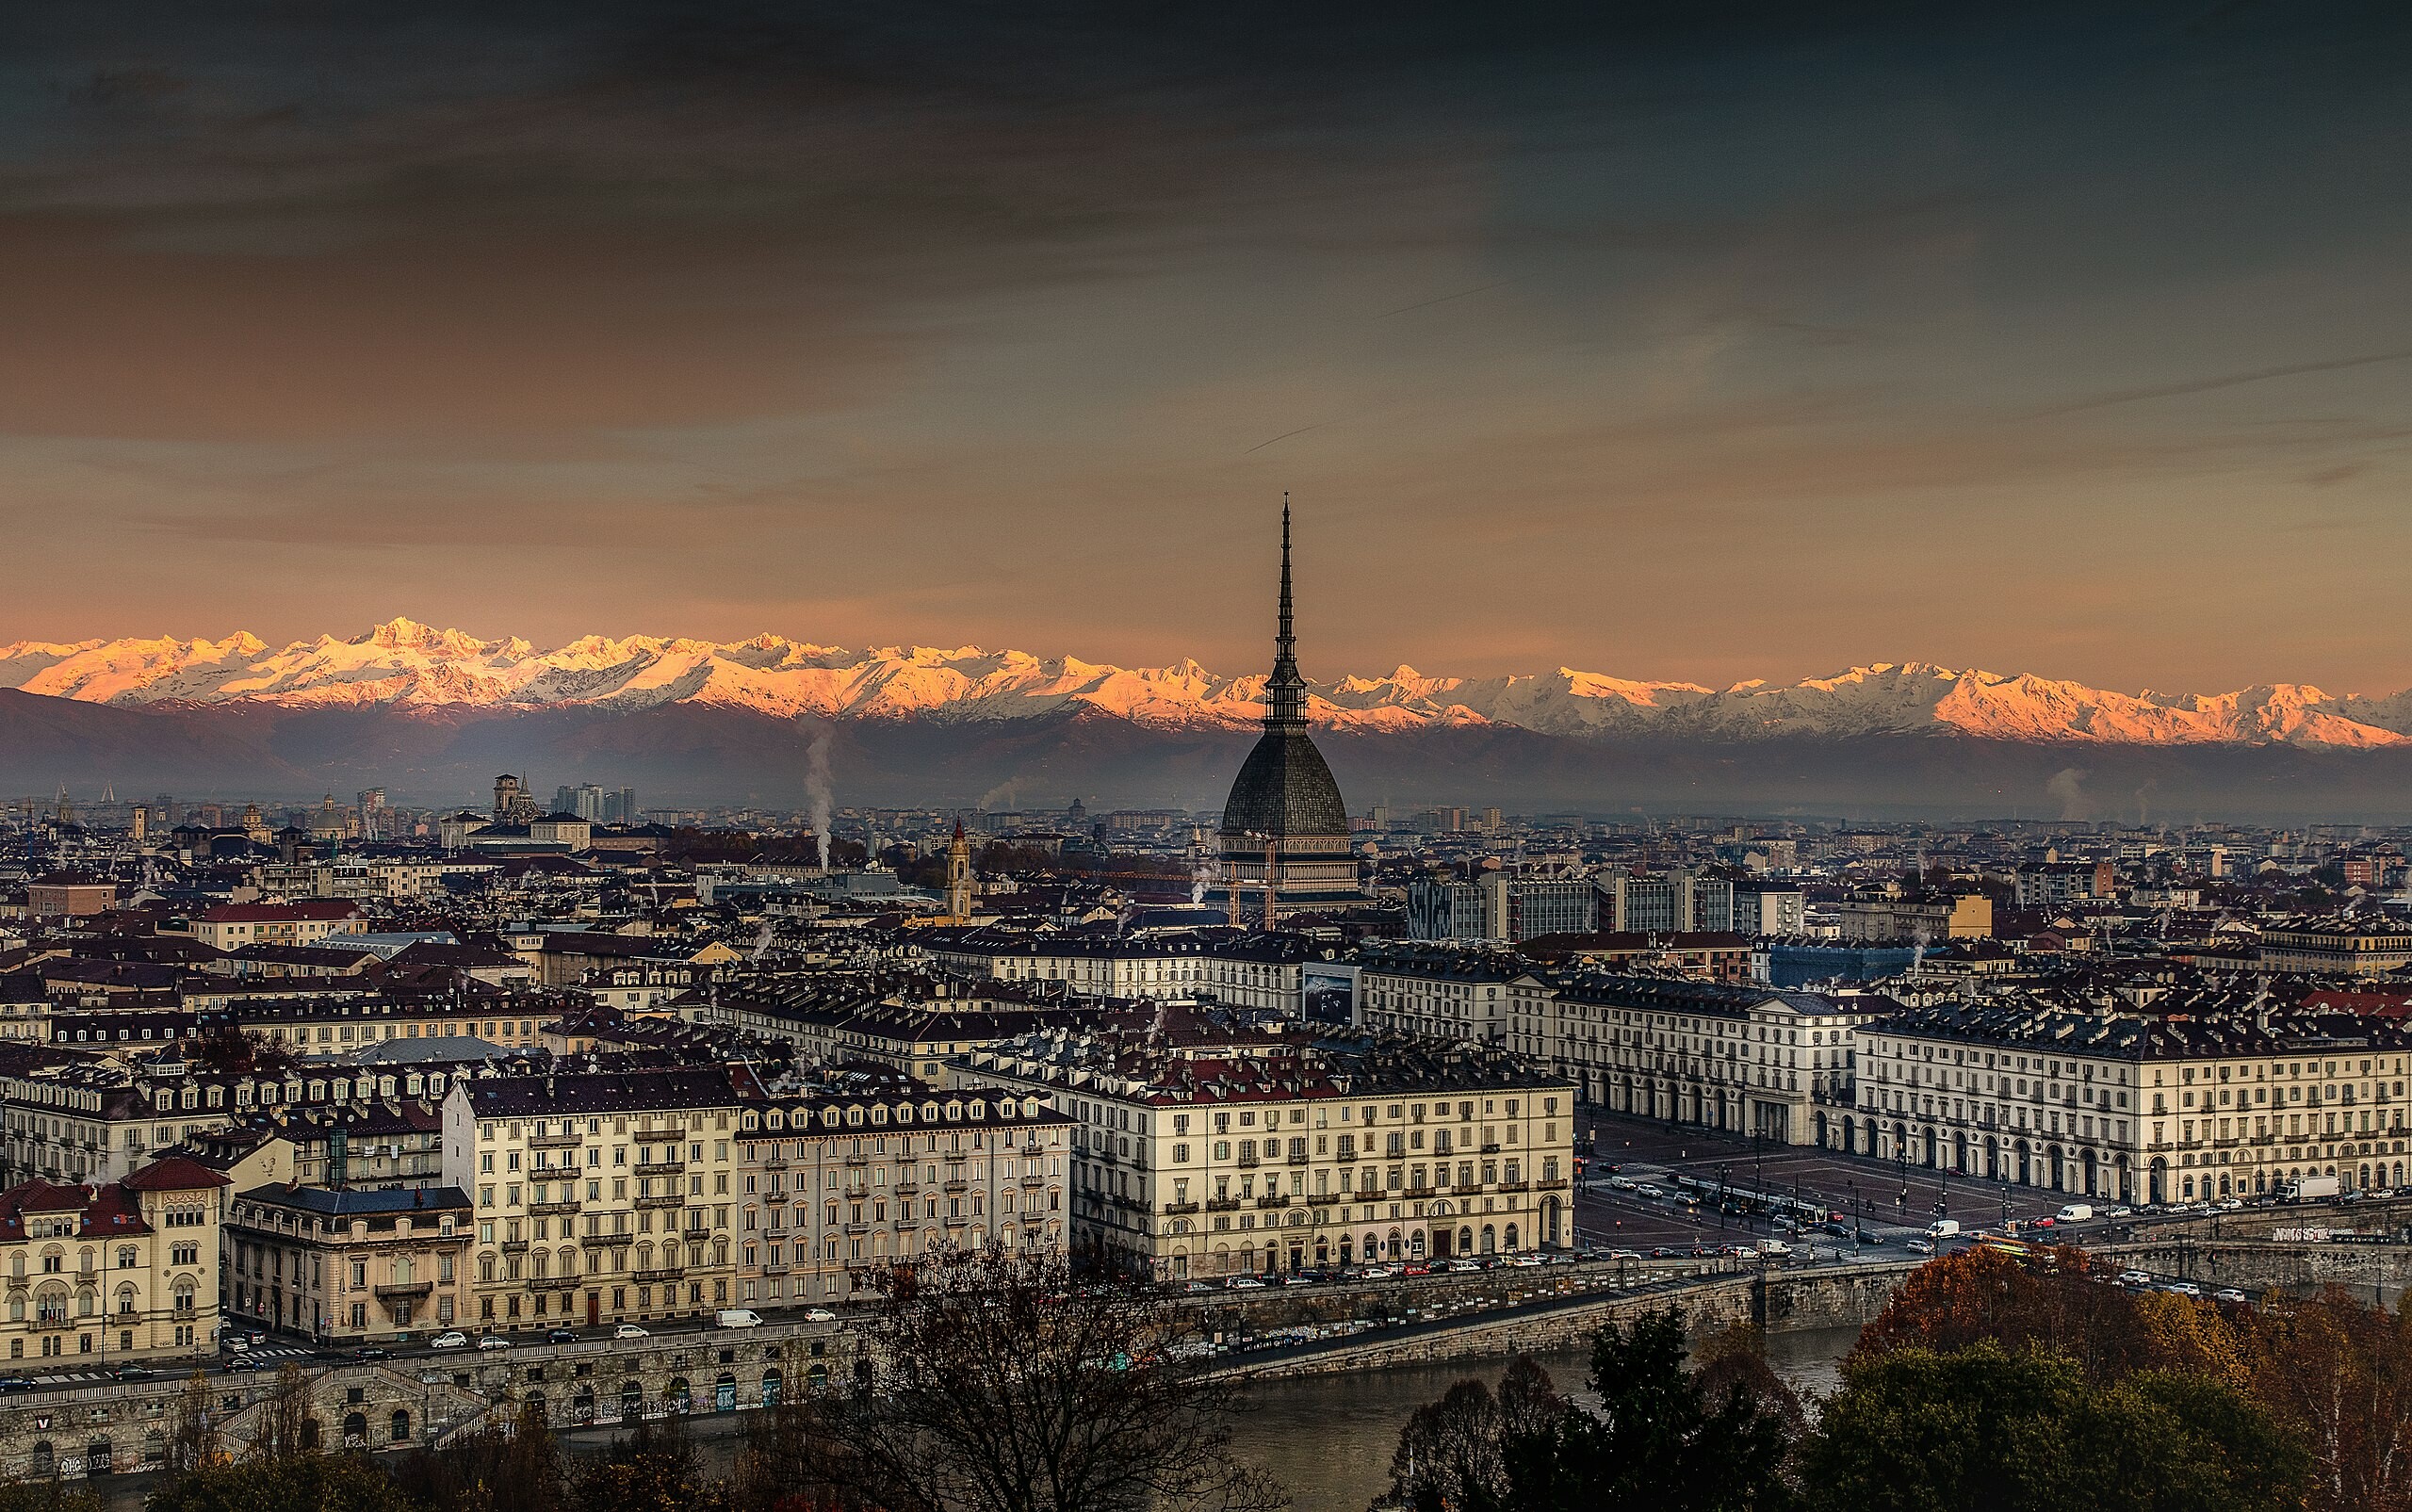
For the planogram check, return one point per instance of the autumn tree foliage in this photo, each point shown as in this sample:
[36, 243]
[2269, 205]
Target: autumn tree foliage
[2333, 1373]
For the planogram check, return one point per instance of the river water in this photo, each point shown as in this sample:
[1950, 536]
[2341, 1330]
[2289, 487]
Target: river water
[1329, 1438]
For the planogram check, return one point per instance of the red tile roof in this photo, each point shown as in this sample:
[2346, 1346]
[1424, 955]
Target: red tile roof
[177, 1173]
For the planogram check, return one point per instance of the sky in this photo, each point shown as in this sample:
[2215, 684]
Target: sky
[1664, 340]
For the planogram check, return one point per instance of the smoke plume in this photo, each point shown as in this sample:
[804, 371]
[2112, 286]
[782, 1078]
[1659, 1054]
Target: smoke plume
[816, 790]
[2068, 786]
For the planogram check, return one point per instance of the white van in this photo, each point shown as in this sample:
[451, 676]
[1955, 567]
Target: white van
[1943, 1229]
[2075, 1213]
[738, 1318]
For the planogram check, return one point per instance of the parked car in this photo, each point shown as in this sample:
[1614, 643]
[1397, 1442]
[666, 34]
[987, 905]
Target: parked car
[2135, 1279]
[2123, 1211]
[371, 1352]
[2184, 1289]
[452, 1338]
[1920, 1246]
[2230, 1295]
[561, 1336]
[819, 1315]
[1244, 1283]
[737, 1318]
[1196, 1286]
[629, 1330]
[494, 1342]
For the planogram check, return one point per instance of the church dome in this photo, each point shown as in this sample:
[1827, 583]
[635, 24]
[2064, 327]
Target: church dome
[1286, 792]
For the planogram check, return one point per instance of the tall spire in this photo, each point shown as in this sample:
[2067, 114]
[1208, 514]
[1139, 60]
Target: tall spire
[1285, 690]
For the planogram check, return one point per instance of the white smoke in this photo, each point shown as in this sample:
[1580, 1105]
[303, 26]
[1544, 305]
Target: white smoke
[816, 790]
[1001, 796]
[1917, 950]
[2068, 786]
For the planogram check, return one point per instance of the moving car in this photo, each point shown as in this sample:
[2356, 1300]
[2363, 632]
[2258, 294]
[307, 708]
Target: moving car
[453, 1339]
[1244, 1283]
[2184, 1289]
[737, 1318]
[2076, 1212]
[629, 1330]
[2230, 1295]
[494, 1342]
[1920, 1246]
[2135, 1279]
[819, 1315]
[561, 1336]
[371, 1352]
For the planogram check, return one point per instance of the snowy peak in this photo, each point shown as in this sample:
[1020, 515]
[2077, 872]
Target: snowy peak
[405, 663]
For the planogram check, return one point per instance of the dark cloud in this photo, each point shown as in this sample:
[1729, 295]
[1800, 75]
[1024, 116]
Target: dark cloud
[969, 321]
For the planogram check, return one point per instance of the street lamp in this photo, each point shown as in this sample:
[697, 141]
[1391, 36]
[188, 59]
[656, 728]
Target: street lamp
[2005, 1207]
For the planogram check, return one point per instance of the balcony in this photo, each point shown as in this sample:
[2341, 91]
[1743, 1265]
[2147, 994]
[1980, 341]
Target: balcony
[665, 1199]
[1176, 1209]
[403, 1289]
[1222, 1204]
[776, 1267]
[554, 1283]
[1297, 1159]
[857, 1159]
[553, 1173]
[1032, 1183]
[1247, 1163]
[776, 1162]
[661, 1167]
[556, 1141]
[906, 1189]
[1275, 1200]
[552, 1207]
[958, 1188]
[668, 1272]
[665, 1135]
[1323, 1199]
[1552, 1184]
[605, 1240]
[514, 1247]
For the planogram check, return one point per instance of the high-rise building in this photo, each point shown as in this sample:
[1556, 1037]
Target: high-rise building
[1285, 829]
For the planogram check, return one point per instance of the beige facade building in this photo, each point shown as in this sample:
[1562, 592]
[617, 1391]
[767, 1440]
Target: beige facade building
[1200, 1150]
[113, 1274]
[349, 1266]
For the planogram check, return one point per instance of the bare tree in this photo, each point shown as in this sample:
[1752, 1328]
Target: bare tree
[997, 1384]
[284, 1416]
[193, 1444]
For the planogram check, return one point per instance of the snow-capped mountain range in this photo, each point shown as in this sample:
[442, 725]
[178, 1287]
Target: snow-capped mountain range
[403, 665]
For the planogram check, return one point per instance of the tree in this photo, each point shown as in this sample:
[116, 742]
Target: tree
[306, 1483]
[1453, 1453]
[1661, 1438]
[192, 1441]
[2026, 1431]
[2340, 1372]
[507, 1466]
[653, 1469]
[1002, 1386]
[284, 1417]
[236, 1051]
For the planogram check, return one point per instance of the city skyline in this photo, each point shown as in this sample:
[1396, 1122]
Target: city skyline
[2042, 341]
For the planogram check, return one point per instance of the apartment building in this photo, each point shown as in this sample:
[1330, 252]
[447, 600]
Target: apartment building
[347, 1266]
[1913, 917]
[1497, 906]
[2336, 946]
[2052, 886]
[1436, 991]
[600, 1199]
[114, 1272]
[867, 1170]
[1201, 1148]
[2160, 1107]
[1677, 901]
[232, 926]
[1744, 1059]
[1238, 968]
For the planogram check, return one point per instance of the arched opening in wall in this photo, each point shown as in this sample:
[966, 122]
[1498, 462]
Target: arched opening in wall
[1929, 1149]
[1550, 1232]
[1817, 1128]
[98, 1457]
[862, 1377]
[310, 1432]
[2026, 1160]
[1511, 1237]
[2093, 1174]
[1959, 1153]
[43, 1463]
[631, 1398]
[1993, 1159]
[581, 1407]
[1323, 1252]
[402, 1426]
[725, 1393]
[679, 1394]
[816, 1378]
[355, 1430]
[533, 1405]
[154, 1450]
[1439, 1243]
[772, 1382]
[1490, 1239]
[2157, 1182]
[1850, 1136]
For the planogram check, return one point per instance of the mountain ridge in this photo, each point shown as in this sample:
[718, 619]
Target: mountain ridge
[403, 665]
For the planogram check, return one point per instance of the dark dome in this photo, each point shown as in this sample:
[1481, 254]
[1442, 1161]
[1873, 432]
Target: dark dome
[1285, 790]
